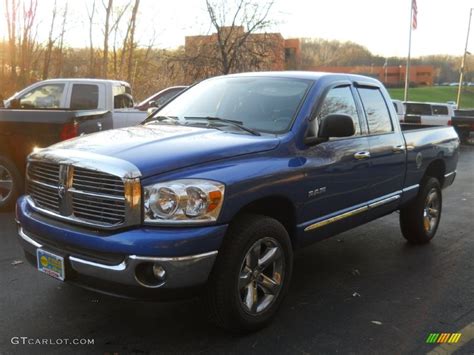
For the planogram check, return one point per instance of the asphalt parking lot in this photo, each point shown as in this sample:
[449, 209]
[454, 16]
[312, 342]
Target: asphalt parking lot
[364, 291]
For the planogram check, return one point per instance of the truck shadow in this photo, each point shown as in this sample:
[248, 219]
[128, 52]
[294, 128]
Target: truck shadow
[335, 283]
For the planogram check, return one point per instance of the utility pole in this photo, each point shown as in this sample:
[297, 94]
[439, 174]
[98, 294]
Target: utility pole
[461, 72]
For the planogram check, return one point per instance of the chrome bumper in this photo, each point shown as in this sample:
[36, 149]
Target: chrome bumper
[181, 272]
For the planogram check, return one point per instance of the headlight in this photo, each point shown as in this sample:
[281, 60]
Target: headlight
[183, 201]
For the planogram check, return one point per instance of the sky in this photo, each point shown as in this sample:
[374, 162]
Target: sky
[380, 25]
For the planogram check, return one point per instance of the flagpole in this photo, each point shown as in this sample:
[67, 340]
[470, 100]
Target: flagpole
[407, 68]
[461, 71]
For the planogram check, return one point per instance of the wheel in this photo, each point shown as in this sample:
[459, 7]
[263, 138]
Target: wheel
[9, 184]
[251, 275]
[420, 219]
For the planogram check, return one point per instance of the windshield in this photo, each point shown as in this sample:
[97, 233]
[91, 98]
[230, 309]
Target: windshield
[259, 103]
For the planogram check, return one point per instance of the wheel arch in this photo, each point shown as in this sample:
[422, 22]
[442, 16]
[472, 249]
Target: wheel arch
[436, 169]
[278, 207]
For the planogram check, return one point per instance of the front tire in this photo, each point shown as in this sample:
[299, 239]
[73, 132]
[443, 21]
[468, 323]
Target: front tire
[419, 220]
[252, 273]
[9, 184]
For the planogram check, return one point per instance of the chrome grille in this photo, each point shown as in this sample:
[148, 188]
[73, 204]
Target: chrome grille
[45, 196]
[97, 182]
[75, 193]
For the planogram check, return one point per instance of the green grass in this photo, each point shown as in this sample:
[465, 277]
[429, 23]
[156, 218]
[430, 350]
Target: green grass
[436, 94]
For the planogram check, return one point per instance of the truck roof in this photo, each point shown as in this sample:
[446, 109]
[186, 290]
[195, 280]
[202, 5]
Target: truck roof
[87, 80]
[310, 75]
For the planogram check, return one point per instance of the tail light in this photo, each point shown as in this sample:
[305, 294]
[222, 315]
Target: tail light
[68, 131]
[450, 123]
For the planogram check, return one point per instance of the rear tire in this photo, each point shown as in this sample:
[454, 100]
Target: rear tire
[419, 220]
[252, 273]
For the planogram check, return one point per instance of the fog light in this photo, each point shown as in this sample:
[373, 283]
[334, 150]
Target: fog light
[150, 275]
[159, 272]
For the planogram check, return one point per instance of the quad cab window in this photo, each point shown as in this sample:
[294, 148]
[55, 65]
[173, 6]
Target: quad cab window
[378, 115]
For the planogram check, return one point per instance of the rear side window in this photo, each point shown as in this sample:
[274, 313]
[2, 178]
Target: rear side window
[45, 96]
[340, 101]
[440, 110]
[378, 116]
[418, 109]
[84, 97]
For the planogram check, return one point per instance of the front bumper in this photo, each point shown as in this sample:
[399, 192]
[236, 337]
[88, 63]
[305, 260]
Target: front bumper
[113, 265]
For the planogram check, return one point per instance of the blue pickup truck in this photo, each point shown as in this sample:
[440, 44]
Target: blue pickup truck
[215, 192]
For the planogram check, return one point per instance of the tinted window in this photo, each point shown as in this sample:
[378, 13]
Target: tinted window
[418, 109]
[84, 97]
[340, 101]
[440, 110]
[123, 101]
[165, 97]
[45, 96]
[378, 116]
[261, 103]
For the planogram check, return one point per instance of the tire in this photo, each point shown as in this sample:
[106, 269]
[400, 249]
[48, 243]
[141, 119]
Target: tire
[419, 220]
[10, 184]
[235, 297]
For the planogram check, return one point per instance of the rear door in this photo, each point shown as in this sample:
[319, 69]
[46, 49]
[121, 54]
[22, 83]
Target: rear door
[387, 146]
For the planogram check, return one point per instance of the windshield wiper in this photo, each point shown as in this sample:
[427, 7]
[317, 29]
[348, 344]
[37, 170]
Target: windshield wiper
[234, 123]
[160, 118]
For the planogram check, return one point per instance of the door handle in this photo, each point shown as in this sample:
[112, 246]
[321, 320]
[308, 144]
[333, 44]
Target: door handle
[362, 155]
[398, 148]
[99, 126]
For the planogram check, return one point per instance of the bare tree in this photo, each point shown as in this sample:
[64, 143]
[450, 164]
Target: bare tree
[50, 44]
[105, 57]
[90, 15]
[234, 25]
[133, 20]
[11, 13]
[60, 49]
[27, 40]
[116, 29]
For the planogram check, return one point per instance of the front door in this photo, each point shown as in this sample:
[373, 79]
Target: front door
[337, 172]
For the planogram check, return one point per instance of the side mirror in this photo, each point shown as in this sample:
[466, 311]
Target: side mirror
[13, 104]
[336, 126]
[151, 110]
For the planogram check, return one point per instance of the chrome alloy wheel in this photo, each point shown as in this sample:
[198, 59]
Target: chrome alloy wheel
[6, 184]
[431, 210]
[261, 275]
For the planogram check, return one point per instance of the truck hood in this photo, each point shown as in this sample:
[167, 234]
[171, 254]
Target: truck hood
[156, 149]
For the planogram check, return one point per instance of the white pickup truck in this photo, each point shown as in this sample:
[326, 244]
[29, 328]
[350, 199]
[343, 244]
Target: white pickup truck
[80, 94]
[428, 113]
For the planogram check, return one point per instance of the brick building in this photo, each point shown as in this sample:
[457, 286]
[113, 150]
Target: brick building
[263, 51]
[389, 75]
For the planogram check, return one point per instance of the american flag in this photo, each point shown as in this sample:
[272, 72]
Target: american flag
[414, 9]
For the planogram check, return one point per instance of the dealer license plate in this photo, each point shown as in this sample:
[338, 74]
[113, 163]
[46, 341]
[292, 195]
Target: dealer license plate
[50, 264]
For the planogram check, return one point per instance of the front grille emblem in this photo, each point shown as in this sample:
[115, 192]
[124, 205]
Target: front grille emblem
[64, 184]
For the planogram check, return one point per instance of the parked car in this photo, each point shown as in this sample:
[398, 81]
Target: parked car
[80, 94]
[400, 109]
[55, 110]
[218, 189]
[428, 113]
[160, 98]
[463, 123]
